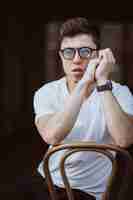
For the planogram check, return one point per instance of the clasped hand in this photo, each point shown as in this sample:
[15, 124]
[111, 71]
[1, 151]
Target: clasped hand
[99, 68]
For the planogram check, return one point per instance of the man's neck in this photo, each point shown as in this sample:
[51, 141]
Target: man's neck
[70, 84]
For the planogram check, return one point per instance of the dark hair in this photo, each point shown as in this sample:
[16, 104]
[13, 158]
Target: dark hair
[79, 25]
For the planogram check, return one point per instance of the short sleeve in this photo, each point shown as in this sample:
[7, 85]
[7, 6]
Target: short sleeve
[124, 98]
[44, 101]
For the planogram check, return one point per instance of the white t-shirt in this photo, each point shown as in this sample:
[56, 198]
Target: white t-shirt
[87, 171]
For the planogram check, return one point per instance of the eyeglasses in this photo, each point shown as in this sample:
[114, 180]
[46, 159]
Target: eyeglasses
[83, 52]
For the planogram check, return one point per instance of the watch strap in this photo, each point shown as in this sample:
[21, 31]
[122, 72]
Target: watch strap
[104, 87]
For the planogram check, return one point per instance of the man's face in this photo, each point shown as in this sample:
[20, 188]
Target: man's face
[75, 60]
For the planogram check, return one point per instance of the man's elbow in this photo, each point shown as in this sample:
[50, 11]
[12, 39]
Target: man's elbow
[49, 136]
[123, 142]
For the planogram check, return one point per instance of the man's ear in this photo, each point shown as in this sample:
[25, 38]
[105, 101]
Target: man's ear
[60, 55]
[95, 55]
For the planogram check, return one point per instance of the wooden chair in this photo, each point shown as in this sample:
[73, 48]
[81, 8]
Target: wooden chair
[122, 168]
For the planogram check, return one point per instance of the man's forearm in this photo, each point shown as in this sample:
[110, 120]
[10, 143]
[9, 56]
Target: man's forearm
[60, 125]
[119, 124]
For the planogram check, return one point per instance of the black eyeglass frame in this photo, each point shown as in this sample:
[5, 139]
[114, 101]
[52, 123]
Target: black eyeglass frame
[77, 49]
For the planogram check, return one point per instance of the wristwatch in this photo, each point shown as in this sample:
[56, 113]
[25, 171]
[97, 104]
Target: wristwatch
[106, 86]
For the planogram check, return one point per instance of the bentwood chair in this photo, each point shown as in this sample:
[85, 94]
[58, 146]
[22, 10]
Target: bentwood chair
[122, 168]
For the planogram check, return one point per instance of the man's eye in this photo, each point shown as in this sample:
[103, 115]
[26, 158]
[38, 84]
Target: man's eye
[68, 51]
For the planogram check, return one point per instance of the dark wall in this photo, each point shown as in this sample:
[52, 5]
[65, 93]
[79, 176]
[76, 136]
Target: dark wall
[21, 74]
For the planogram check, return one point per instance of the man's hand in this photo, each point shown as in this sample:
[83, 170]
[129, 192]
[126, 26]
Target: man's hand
[106, 63]
[89, 75]
[87, 83]
[98, 70]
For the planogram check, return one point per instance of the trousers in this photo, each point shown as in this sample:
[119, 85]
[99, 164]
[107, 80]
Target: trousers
[35, 188]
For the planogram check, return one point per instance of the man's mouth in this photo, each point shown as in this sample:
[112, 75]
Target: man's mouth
[78, 70]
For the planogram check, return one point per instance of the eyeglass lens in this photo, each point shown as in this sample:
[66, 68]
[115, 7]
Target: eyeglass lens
[84, 52]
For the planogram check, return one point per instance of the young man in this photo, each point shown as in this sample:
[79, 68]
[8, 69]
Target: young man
[84, 105]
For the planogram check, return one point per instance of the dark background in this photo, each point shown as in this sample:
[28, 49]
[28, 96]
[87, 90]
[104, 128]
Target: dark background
[28, 39]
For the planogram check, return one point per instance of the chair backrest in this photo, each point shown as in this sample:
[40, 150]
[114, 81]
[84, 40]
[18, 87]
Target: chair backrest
[122, 164]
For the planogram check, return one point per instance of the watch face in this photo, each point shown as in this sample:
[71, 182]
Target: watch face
[107, 86]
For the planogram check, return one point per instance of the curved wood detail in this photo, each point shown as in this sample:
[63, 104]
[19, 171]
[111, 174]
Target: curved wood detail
[76, 146]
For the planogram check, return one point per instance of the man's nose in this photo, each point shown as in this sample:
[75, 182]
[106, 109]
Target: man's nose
[76, 58]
